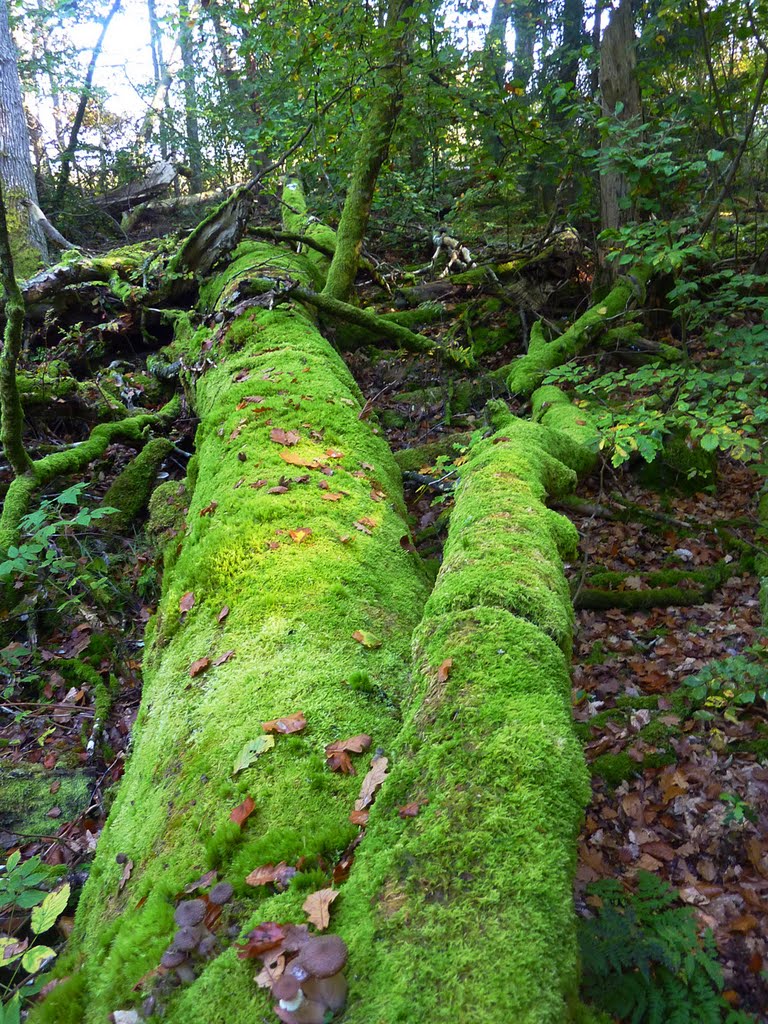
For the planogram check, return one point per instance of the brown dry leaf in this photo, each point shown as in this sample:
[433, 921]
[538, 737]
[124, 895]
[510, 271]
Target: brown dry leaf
[187, 602]
[223, 613]
[290, 723]
[240, 813]
[332, 496]
[267, 936]
[297, 459]
[334, 453]
[270, 972]
[127, 869]
[300, 534]
[444, 670]
[209, 509]
[744, 923]
[286, 437]
[409, 810]
[359, 817]
[363, 529]
[318, 907]
[224, 657]
[371, 782]
[340, 761]
[199, 666]
[250, 400]
[271, 874]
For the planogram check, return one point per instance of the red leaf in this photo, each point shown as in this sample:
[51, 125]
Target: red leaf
[258, 941]
[291, 723]
[242, 811]
[199, 666]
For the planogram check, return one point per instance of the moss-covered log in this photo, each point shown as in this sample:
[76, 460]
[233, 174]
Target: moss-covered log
[459, 907]
[528, 371]
[291, 592]
[130, 492]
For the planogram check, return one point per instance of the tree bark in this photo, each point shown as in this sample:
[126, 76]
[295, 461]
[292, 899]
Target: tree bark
[27, 241]
[194, 151]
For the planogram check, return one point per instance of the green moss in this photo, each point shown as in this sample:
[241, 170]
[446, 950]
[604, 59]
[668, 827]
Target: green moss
[64, 1004]
[615, 768]
[26, 798]
[131, 490]
[681, 464]
[167, 508]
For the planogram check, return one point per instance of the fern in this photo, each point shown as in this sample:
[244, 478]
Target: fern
[644, 962]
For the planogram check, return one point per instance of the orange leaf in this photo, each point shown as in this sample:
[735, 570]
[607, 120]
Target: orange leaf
[333, 453]
[291, 723]
[301, 534]
[359, 817]
[296, 459]
[444, 670]
[331, 496]
[199, 666]
[317, 906]
[242, 811]
[339, 761]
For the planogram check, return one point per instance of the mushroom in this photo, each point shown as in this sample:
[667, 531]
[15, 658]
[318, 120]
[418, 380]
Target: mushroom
[220, 893]
[313, 983]
[189, 913]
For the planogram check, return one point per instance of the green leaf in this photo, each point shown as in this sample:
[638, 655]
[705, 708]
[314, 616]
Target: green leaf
[713, 155]
[252, 750]
[30, 898]
[8, 949]
[35, 957]
[13, 860]
[709, 442]
[46, 915]
[10, 1013]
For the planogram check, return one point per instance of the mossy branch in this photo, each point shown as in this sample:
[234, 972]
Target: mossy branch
[61, 463]
[11, 413]
[527, 373]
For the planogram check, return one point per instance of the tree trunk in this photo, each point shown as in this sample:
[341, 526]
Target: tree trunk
[194, 152]
[618, 84]
[28, 244]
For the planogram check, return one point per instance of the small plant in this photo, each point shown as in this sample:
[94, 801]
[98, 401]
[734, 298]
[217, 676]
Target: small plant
[738, 811]
[728, 686]
[644, 961]
[20, 887]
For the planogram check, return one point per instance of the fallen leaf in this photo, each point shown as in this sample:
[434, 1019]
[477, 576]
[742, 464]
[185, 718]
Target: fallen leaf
[318, 907]
[290, 723]
[409, 810]
[187, 602]
[265, 937]
[333, 453]
[127, 869]
[355, 744]
[202, 882]
[744, 923]
[252, 750]
[300, 535]
[444, 670]
[224, 657]
[209, 509]
[371, 782]
[339, 761]
[271, 874]
[240, 813]
[270, 972]
[280, 489]
[297, 459]
[331, 496]
[368, 640]
[286, 437]
[223, 613]
[199, 666]
[359, 817]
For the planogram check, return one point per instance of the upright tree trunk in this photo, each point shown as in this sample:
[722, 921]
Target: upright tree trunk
[27, 240]
[371, 154]
[618, 84]
[158, 67]
[524, 22]
[194, 152]
[68, 156]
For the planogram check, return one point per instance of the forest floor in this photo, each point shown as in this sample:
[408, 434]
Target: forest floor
[681, 794]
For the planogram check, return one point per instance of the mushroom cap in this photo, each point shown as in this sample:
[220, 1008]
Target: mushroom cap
[220, 893]
[286, 987]
[172, 958]
[186, 939]
[322, 956]
[188, 913]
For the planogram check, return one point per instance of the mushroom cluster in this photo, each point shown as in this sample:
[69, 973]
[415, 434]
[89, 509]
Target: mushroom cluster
[194, 937]
[313, 982]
